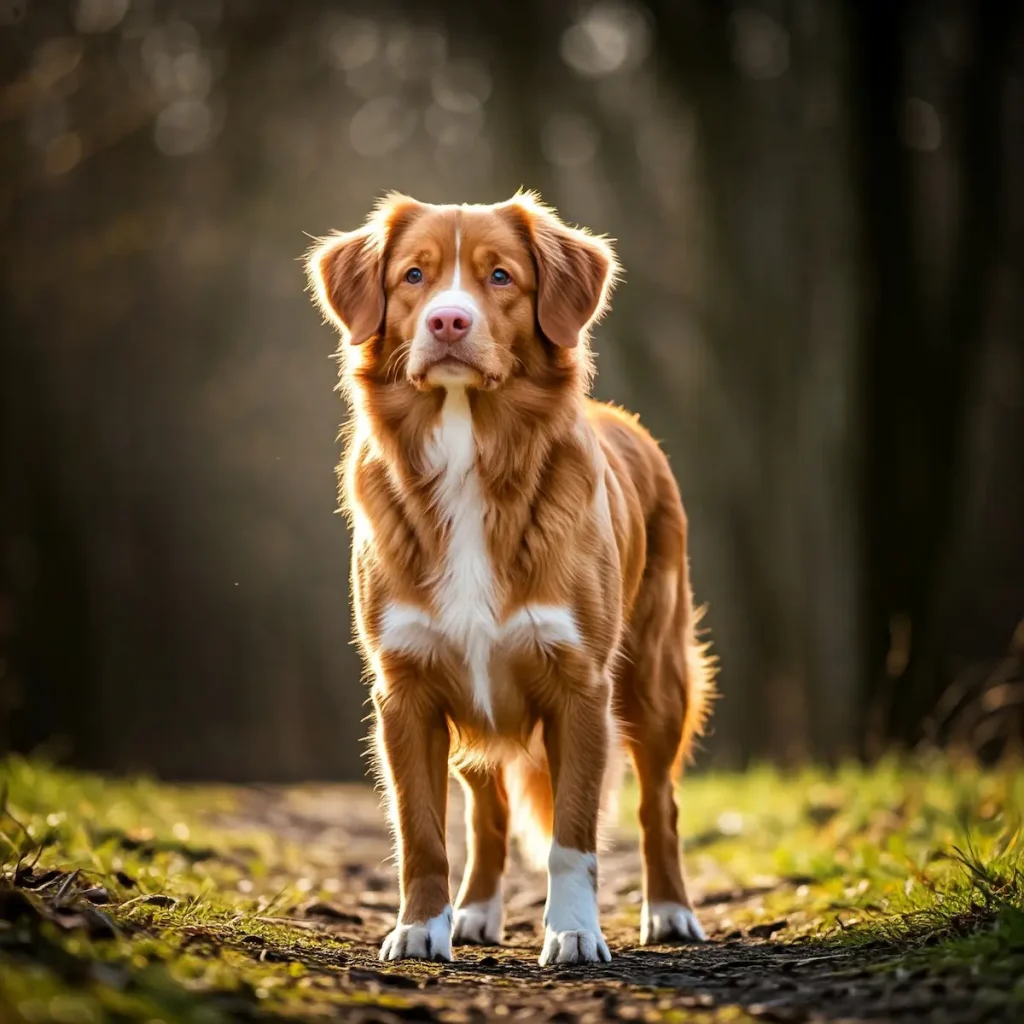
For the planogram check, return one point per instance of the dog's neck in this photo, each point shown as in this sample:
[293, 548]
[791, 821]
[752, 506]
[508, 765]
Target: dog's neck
[513, 430]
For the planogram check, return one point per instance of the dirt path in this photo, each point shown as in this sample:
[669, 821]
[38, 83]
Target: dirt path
[735, 976]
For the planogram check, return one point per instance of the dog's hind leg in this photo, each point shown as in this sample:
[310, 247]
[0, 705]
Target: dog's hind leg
[661, 692]
[479, 913]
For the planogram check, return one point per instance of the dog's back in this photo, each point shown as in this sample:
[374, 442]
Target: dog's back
[662, 620]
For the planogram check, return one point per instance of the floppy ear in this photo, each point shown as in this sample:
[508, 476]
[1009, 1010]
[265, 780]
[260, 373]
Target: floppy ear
[576, 272]
[346, 270]
[347, 275]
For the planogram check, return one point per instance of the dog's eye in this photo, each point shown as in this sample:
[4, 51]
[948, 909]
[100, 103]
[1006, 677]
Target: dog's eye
[500, 276]
[414, 275]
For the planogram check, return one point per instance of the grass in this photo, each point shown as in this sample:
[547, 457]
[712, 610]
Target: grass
[891, 852]
[150, 885]
[130, 900]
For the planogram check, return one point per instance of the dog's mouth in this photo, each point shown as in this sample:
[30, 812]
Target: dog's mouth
[451, 370]
[453, 361]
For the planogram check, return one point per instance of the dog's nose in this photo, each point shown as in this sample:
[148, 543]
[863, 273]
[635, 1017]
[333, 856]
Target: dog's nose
[450, 324]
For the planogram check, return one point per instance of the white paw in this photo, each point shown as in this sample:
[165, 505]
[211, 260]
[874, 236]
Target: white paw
[577, 947]
[480, 923]
[669, 922]
[431, 940]
[572, 931]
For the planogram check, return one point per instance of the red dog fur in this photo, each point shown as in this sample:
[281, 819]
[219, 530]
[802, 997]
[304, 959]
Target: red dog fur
[519, 565]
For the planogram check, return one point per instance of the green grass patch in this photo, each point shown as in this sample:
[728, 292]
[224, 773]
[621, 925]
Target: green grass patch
[126, 900]
[928, 854]
[133, 900]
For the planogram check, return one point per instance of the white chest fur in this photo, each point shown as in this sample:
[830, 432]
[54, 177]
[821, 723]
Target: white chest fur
[464, 593]
[465, 598]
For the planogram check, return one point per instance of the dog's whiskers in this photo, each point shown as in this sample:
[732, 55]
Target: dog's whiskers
[394, 359]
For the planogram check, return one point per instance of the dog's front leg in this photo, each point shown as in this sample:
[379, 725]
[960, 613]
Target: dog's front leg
[576, 738]
[413, 742]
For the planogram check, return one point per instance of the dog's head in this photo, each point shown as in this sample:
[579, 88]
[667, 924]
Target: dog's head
[464, 296]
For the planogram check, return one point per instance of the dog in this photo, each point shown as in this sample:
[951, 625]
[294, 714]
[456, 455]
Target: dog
[520, 574]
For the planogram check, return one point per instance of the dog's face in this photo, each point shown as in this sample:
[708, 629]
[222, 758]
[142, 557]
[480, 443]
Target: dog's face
[462, 296]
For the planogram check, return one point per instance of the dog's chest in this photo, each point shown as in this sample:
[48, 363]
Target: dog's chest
[464, 591]
[464, 618]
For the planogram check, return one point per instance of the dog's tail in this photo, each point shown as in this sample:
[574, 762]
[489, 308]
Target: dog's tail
[699, 684]
[531, 806]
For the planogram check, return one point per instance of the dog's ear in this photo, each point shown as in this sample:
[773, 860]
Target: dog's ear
[346, 274]
[346, 270]
[576, 271]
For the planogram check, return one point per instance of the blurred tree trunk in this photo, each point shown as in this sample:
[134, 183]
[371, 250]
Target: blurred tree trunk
[778, 314]
[921, 346]
[47, 671]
